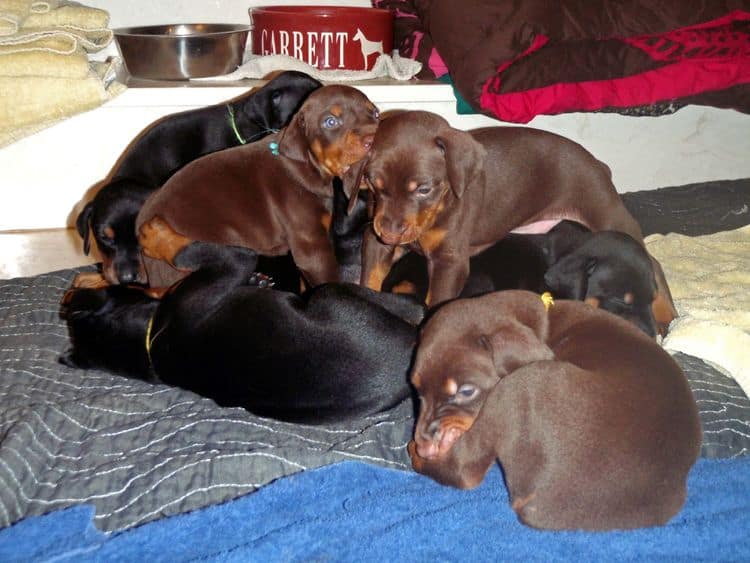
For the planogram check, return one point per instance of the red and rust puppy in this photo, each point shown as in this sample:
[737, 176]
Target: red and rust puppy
[164, 147]
[449, 194]
[272, 196]
[594, 424]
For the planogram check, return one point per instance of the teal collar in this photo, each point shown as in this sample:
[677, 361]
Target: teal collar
[233, 125]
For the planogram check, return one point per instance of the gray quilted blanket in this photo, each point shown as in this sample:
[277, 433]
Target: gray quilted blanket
[139, 452]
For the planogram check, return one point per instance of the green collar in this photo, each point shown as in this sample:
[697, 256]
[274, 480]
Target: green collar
[233, 125]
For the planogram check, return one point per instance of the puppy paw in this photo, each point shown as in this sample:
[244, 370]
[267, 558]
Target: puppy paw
[89, 280]
[417, 462]
[160, 241]
[260, 280]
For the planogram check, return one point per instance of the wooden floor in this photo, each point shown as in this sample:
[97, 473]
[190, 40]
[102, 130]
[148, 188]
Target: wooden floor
[27, 253]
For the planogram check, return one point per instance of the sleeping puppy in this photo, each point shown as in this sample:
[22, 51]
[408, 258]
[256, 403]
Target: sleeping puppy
[165, 147]
[594, 424]
[337, 352]
[607, 269]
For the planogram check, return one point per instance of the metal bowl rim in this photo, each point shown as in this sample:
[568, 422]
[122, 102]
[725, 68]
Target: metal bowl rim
[319, 10]
[151, 30]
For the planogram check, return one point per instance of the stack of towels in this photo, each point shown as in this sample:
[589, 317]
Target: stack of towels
[45, 71]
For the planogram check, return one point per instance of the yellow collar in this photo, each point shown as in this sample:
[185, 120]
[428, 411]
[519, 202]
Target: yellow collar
[547, 300]
[148, 338]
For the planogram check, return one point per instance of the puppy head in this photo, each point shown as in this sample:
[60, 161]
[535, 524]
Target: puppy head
[336, 126]
[110, 220]
[465, 349]
[272, 106]
[609, 270]
[417, 163]
[107, 328]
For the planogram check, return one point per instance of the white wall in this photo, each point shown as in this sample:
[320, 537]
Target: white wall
[129, 13]
[125, 13]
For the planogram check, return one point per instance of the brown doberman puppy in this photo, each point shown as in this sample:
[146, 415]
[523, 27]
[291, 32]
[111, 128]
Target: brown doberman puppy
[449, 194]
[594, 424]
[272, 196]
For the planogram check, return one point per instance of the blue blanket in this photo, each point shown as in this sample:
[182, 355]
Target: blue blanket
[352, 511]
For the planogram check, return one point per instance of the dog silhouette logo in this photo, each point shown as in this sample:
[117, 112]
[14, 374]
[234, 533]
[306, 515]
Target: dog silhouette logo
[367, 47]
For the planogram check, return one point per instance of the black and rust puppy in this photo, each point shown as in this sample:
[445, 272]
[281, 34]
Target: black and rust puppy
[594, 424]
[165, 147]
[337, 352]
[607, 269]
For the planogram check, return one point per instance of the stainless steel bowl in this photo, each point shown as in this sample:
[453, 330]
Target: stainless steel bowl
[182, 51]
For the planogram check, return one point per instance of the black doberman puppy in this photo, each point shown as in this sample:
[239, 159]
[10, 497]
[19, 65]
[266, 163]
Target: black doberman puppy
[607, 269]
[337, 352]
[165, 147]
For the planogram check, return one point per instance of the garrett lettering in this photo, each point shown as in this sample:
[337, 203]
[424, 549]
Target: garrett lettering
[319, 44]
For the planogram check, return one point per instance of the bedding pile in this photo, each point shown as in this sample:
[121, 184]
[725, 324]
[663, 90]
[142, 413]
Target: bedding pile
[45, 73]
[516, 60]
[359, 512]
[133, 452]
[709, 277]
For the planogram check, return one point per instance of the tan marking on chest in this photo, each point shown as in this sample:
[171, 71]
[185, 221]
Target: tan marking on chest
[404, 287]
[431, 239]
[325, 220]
[160, 241]
[416, 380]
[376, 277]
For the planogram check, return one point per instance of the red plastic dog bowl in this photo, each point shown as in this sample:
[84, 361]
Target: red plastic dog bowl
[326, 37]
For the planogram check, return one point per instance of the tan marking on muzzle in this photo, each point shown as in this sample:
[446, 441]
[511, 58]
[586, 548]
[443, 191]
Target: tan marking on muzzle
[338, 156]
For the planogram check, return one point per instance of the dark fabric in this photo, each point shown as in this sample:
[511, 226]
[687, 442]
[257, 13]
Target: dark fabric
[586, 42]
[694, 209]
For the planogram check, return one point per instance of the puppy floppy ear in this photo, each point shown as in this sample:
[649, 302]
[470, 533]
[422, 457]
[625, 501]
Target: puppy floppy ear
[352, 181]
[568, 278]
[513, 344]
[464, 158]
[83, 226]
[294, 140]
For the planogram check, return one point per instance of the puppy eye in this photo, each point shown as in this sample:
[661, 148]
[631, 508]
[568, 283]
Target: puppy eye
[424, 189]
[466, 392]
[331, 122]
[376, 114]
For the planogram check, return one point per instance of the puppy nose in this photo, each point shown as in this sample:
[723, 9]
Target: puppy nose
[126, 276]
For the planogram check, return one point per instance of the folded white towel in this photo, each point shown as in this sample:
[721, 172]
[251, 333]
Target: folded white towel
[386, 66]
